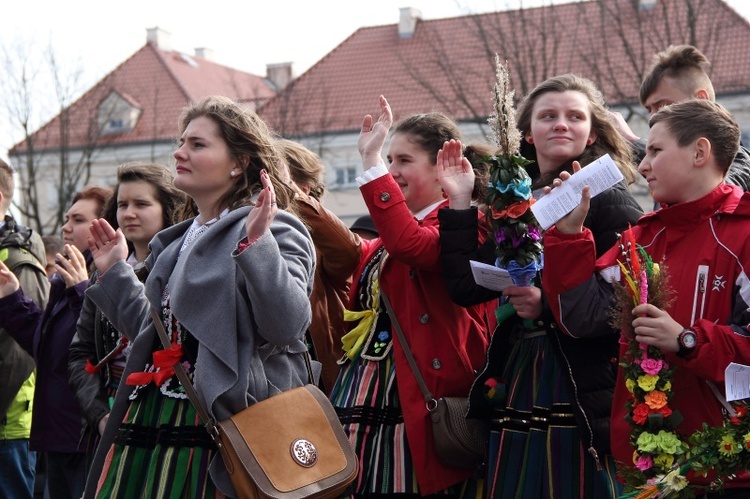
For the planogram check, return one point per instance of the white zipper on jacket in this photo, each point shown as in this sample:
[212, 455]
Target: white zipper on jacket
[699, 299]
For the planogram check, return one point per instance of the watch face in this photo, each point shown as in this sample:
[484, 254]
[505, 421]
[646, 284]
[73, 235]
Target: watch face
[688, 339]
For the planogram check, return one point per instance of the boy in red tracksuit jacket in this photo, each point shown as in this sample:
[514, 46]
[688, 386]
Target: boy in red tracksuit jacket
[702, 233]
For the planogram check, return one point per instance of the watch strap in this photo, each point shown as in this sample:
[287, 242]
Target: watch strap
[684, 350]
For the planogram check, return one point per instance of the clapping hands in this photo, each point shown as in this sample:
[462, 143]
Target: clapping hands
[107, 245]
[455, 174]
[373, 134]
[72, 268]
[260, 217]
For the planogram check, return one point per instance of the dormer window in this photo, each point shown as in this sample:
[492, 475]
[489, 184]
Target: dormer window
[117, 114]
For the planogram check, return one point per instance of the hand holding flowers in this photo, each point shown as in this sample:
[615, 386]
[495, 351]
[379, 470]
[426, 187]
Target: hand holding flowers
[655, 327]
[663, 459]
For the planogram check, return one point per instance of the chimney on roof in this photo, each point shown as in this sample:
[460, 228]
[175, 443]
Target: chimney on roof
[407, 23]
[158, 38]
[279, 74]
[204, 53]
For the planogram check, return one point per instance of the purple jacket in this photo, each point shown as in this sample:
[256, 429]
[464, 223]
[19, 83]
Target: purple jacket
[56, 419]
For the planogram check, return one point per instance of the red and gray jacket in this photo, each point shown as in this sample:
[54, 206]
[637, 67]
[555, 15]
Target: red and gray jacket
[705, 245]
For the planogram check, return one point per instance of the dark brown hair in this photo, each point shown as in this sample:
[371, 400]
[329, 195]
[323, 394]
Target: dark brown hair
[429, 131]
[157, 175]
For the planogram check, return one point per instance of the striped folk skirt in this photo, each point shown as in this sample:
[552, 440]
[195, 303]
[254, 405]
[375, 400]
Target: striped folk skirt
[366, 399]
[535, 446]
[162, 451]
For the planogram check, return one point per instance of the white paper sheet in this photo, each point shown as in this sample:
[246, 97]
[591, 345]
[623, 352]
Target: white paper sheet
[737, 381]
[490, 277]
[599, 176]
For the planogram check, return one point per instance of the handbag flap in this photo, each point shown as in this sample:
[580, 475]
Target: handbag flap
[289, 441]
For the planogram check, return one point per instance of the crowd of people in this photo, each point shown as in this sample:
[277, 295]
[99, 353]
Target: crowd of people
[251, 276]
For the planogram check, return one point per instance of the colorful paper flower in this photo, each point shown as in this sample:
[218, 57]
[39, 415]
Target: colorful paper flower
[674, 481]
[656, 399]
[664, 461]
[647, 382]
[647, 442]
[667, 442]
[651, 366]
[630, 384]
[514, 210]
[518, 187]
[644, 462]
[640, 413]
[728, 446]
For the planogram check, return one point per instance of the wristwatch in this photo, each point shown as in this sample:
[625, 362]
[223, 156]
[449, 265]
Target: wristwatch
[686, 340]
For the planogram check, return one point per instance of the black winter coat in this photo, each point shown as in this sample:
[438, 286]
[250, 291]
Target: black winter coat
[592, 362]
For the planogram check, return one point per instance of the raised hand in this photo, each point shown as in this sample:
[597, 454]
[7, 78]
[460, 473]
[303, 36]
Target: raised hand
[107, 245]
[455, 174]
[373, 134]
[572, 223]
[260, 217]
[73, 267]
[8, 281]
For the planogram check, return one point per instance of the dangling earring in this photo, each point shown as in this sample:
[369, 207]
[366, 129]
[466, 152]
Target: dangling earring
[232, 173]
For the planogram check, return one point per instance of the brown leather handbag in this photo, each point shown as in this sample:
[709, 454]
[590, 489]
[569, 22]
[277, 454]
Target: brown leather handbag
[289, 446]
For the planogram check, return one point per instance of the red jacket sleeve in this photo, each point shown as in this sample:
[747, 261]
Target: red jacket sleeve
[405, 238]
[580, 298]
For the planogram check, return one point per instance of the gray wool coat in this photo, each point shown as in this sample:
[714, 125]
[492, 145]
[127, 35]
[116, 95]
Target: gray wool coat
[248, 311]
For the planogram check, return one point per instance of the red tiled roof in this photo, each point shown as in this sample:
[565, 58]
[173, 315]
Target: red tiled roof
[583, 37]
[158, 82]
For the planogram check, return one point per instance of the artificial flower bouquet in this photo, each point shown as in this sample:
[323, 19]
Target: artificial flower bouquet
[516, 232]
[663, 459]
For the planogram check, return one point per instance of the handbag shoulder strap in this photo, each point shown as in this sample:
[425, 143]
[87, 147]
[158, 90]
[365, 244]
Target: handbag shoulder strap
[208, 421]
[429, 399]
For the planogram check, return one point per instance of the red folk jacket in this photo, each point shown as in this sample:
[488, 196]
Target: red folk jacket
[448, 341]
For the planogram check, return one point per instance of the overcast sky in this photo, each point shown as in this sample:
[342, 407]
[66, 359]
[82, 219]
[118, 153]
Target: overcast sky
[99, 35]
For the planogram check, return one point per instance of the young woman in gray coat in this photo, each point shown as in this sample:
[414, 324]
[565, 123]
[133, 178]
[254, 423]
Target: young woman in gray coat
[231, 286]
